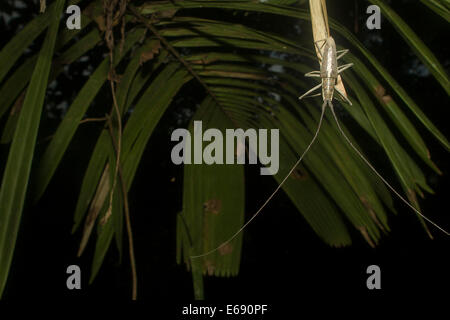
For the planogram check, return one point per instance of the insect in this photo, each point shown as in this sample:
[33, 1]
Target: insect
[329, 71]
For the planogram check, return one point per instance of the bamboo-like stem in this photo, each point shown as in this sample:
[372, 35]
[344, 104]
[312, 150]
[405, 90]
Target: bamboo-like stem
[321, 31]
[319, 21]
[43, 6]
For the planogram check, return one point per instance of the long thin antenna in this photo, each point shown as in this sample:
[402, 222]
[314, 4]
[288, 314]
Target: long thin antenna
[379, 175]
[273, 194]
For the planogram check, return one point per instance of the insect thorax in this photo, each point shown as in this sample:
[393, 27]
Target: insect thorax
[328, 66]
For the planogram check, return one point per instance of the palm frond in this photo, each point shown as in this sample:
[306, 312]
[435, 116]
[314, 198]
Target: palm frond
[250, 78]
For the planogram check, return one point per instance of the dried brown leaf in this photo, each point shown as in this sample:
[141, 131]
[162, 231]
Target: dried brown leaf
[94, 210]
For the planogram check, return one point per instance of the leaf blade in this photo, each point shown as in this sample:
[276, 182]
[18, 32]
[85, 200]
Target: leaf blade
[18, 167]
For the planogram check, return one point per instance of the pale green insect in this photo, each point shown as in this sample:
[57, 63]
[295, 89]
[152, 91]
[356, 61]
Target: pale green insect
[329, 70]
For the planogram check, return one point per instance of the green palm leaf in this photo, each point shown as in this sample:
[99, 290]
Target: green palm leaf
[416, 44]
[15, 179]
[251, 78]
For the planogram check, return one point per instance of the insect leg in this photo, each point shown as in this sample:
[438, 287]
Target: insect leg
[344, 67]
[313, 74]
[341, 53]
[379, 175]
[316, 43]
[319, 49]
[343, 95]
[314, 95]
[313, 89]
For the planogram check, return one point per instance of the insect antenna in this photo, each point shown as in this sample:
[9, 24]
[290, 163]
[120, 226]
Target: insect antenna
[379, 175]
[273, 193]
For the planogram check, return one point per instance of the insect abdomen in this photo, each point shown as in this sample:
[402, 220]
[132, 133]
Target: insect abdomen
[328, 88]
